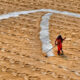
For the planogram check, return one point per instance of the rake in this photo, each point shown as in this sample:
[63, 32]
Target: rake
[50, 49]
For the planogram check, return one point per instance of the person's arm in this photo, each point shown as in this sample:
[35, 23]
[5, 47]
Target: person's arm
[64, 38]
[56, 42]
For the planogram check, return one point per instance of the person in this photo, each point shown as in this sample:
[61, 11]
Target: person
[58, 42]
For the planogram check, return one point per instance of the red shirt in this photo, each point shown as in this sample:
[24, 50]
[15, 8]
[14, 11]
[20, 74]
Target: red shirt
[59, 42]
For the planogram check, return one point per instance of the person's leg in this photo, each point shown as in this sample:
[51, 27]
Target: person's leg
[62, 52]
[58, 52]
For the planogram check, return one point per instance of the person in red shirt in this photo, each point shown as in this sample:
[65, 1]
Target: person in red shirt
[58, 42]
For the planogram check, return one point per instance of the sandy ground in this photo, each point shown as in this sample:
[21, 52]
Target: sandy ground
[65, 26]
[21, 56]
[19, 5]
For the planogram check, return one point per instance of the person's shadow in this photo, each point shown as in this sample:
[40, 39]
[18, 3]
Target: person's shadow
[64, 56]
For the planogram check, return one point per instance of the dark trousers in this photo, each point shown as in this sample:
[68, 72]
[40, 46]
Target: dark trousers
[59, 52]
